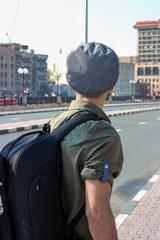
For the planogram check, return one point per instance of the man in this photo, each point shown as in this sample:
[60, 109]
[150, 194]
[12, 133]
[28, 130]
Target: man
[92, 152]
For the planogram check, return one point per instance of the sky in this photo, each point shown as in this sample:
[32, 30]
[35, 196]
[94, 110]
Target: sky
[46, 26]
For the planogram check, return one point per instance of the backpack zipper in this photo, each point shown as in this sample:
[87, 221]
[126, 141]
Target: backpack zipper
[38, 183]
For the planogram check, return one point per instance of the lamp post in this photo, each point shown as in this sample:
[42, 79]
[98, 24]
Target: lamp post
[86, 31]
[152, 90]
[132, 82]
[57, 75]
[23, 71]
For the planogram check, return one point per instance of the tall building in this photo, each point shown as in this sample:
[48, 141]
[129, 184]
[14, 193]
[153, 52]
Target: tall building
[123, 86]
[147, 69]
[14, 56]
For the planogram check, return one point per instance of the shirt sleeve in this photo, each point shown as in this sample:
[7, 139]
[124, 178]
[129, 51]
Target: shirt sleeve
[103, 151]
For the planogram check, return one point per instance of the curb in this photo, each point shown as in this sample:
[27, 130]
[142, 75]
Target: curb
[110, 114]
[32, 111]
[127, 211]
[19, 129]
[130, 111]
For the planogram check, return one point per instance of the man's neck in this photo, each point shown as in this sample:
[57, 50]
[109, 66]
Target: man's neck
[98, 101]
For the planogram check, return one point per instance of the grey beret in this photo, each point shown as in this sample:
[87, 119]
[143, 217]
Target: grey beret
[92, 69]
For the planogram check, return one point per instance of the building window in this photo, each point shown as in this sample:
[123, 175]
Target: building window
[140, 72]
[155, 71]
[5, 84]
[1, 74]
[12, 75]
[1, 65]
[5, 75]
[17, 56]
[5, 65]
[12, 66]
[147, 71]
[12, 58]
[1, 84]
[1, 57]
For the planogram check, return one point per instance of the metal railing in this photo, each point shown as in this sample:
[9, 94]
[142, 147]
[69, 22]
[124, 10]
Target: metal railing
[14, 101]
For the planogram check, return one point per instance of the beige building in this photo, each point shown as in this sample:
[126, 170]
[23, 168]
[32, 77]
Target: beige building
[9, 64]
[128, 59]
[147, 69]
[14, 56]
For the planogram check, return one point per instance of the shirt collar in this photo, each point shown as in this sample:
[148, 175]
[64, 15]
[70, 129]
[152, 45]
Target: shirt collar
[89, 107]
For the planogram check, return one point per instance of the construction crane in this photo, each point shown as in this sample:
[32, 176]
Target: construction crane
[9, 40]
[14, 23]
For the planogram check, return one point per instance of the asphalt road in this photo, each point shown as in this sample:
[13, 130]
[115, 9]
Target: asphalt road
[52, 112]
[140, 135]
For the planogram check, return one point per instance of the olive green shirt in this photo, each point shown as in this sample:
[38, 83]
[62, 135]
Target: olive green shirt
[85, 151]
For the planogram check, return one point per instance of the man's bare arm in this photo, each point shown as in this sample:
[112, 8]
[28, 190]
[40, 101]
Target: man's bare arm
[98, 211]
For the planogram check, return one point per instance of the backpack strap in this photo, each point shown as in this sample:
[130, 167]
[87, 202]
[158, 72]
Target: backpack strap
[70, 227]
[59, 133]
[65, 128]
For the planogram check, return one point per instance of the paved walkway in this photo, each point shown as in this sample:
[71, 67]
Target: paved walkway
[141, 218]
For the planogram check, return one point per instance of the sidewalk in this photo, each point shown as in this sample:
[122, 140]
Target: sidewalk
[141, 218]
[22, 126]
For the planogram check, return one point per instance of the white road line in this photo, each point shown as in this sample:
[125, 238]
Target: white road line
[142, 123]
[158, 118]
[139, 195]
[120, 219]
[13, 119]
[154, 178]
[118, 130]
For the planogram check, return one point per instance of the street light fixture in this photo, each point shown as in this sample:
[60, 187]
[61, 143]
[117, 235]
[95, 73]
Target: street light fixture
[57, 75]
[132, 82]
[23, 71]
[152, 89]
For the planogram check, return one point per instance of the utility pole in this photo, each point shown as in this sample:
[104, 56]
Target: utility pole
[86, 32]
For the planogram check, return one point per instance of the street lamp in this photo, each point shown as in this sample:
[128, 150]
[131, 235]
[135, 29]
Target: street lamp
[132, 82]
[152, 89]
[23, 71]
[86, 32]
[57, 75]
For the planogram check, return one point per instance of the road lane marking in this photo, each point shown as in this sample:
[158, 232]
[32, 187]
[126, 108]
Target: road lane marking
[142, 123]
[13, 119]
[158, 118]
[139, 195]
[120, 219]
[154, 178]
[119, 130]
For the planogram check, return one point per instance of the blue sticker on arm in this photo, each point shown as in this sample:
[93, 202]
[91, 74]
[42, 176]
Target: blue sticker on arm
[106, 173]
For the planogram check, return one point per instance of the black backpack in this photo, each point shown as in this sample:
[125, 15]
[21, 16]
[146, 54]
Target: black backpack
[30, 186]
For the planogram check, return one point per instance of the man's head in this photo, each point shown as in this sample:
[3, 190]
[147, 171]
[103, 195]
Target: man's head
[92, 69]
